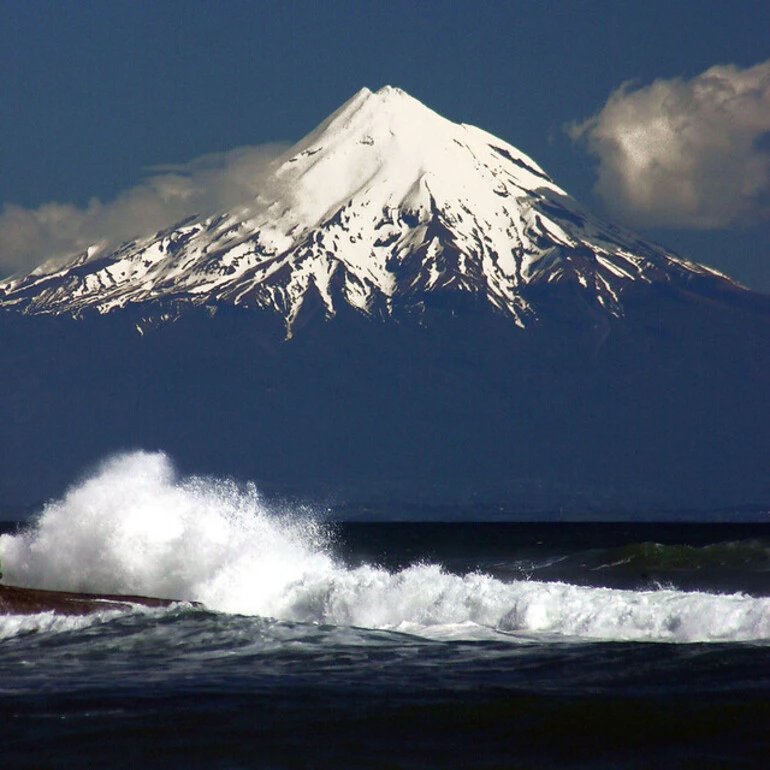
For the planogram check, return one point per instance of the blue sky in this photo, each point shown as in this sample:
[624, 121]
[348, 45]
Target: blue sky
[97, 98]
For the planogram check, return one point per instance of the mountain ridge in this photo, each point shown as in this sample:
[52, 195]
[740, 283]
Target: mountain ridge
[384, 198]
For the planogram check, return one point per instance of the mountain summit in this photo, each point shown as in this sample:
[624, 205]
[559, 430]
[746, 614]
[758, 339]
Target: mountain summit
[410, 311]
[385, 202]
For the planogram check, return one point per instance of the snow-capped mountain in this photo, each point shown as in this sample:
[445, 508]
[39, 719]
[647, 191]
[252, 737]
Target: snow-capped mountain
[639, 381]
[386, 201]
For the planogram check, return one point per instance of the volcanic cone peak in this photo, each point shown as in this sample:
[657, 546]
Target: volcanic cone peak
[385, 201]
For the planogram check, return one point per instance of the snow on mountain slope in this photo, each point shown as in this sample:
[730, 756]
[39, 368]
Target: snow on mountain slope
[384, 199]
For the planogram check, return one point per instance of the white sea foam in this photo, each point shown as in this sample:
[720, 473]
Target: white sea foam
[135, 527]
[46, 622]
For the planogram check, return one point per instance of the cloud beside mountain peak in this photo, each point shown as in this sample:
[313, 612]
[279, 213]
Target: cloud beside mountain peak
[169, 194]
[686, 153]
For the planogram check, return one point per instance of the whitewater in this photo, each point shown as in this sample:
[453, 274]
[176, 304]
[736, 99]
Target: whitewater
[332, 644]
[136, 527]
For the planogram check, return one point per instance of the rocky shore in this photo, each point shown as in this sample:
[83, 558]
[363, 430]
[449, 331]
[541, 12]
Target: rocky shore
[15, 600]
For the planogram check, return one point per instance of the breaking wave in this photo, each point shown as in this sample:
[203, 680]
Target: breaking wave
[136, 527]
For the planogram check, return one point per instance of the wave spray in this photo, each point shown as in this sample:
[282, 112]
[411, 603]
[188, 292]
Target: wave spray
[136, 527]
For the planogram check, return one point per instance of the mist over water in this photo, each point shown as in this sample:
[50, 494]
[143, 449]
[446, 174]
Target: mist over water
[136, 527]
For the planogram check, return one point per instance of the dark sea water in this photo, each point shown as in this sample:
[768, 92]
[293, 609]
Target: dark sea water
[379, 645]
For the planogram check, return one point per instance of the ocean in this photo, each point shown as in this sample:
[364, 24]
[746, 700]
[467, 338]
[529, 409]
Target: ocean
[388, 644]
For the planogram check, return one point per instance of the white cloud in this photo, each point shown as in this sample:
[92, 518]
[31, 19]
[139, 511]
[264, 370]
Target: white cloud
[204, 186]
[693, 154]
